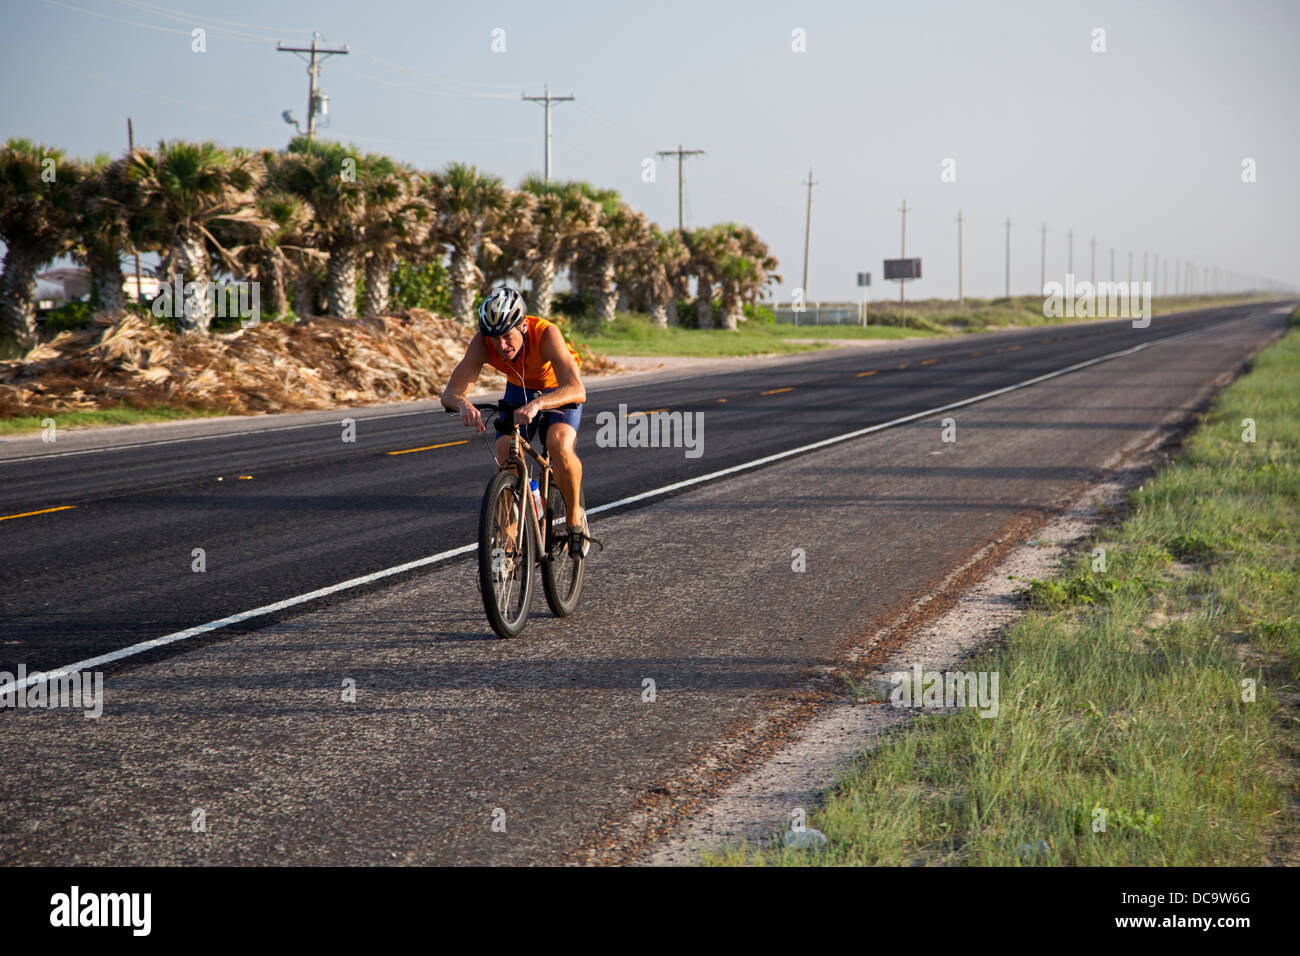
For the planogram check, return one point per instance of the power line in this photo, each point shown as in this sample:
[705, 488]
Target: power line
[424, 90]
[138, 89]
[200, 20]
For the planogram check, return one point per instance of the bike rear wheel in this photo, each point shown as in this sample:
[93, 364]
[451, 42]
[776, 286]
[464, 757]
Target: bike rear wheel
[562, 572]
[507, 552]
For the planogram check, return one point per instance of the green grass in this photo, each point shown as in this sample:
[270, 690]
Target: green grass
[104, 416]
[1121, 690]
[632, 333]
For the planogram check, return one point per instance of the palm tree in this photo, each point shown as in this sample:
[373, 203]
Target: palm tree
[331, 179]
[703, 248]
[396, 223]
[676, 259]
[513, 239]
[743, 267]
[185, 191]
[592, 269]
[280, 246]
[563, 214]
[645, 275]
[107, 226]
[632, 253]
[469, 205]
[38, 215]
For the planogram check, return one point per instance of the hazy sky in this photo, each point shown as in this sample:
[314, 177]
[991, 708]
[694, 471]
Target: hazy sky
[1140, 146]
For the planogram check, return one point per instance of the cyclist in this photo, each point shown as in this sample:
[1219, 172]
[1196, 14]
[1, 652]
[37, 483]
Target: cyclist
[541, 371]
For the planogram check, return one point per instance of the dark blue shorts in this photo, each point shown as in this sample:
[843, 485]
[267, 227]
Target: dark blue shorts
[517, 397]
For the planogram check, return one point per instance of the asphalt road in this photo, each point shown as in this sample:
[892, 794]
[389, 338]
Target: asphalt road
[694, 592]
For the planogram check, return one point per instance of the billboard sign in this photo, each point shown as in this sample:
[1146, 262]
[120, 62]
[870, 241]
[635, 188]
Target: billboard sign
[902, 268]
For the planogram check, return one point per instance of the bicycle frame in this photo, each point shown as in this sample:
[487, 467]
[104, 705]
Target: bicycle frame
[515, 459]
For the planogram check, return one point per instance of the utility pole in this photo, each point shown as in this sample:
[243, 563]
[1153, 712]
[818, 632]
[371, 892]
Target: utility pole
[546, 100]
[1178, 276]
[1069, 261]
[1094, 261]
[1155, 272]
[1145, 256]
[1042, 278]
[130, 146]
[902, 283]
[1008, 224]
[961, 298]
[1112, 263]
[682, 154]
[313, 72]
[807, 233]
[1130, 268]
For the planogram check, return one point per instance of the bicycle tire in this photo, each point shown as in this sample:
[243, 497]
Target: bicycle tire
[506, 619]
[562, 576]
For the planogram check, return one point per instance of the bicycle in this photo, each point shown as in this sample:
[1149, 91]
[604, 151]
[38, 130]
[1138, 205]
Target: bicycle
[513, 541]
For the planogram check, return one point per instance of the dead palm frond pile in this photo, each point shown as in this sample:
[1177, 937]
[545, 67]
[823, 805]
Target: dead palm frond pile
[271, 367]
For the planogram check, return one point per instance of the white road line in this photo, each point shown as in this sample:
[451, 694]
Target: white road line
[234, 619]
[465, 549]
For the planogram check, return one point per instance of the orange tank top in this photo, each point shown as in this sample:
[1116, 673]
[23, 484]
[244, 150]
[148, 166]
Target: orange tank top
[537, 372]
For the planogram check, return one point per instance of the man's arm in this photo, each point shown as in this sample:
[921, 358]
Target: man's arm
[569, 389]
[456, 395]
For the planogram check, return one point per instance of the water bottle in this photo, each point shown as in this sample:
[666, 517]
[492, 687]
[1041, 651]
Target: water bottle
[537, 499]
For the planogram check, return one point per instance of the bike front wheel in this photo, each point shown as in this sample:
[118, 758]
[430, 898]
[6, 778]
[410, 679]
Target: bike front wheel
[562, 572]
[506, 555]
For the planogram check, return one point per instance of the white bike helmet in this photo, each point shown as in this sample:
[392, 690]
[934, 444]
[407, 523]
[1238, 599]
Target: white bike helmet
[501, 311]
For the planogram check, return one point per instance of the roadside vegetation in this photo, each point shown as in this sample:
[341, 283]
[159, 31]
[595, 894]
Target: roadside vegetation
[635, 334]
[1148, 712]
[121, 415]
[325, 229]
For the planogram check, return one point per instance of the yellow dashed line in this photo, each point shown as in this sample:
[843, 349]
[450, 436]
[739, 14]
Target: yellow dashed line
[1012, 348]
[904, 365]
[651, 411]
[976, 354]
[865, 374]
[446, 444]
[245, 477]
[775, 391]
[722, 399]
[43, 511]
[929, 361]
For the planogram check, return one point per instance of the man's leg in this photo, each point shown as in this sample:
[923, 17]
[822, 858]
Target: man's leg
[560, 440]
[503, 449]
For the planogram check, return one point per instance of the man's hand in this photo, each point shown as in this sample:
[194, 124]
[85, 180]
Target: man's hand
[470, 417]
[526, 413]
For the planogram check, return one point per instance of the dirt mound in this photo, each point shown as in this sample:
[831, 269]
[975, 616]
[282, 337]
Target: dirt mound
[272, 367]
